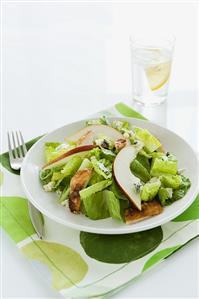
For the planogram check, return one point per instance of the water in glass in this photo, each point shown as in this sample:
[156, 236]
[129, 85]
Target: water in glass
[151, 69]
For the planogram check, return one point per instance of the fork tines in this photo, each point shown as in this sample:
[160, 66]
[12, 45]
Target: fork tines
[16, 145]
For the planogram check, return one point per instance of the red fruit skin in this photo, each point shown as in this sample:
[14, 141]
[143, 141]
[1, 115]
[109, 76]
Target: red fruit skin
[73, 151]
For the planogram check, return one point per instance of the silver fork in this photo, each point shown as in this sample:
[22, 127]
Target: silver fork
[17, 151]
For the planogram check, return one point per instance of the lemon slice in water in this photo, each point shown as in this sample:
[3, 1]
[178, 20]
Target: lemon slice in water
[158, 75]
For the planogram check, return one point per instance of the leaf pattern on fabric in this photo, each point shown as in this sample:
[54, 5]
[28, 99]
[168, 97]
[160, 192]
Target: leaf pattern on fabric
[17, 224]
[127, 111]
[15, 219]
[66, 265]
[117, 249]
[4, 158]
[159, 256]
[191, 213]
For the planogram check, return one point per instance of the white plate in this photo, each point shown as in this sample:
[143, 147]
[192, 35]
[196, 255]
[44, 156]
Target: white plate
[47, 202]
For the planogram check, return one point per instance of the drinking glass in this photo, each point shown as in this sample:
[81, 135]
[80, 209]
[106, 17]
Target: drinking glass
[151, 68]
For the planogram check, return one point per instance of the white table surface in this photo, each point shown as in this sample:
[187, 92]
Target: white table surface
[168, 280]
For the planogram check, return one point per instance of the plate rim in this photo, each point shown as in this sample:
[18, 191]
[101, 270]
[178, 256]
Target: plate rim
[113, 231]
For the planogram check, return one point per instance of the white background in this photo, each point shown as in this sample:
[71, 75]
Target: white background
[57, 54]
[63, 61]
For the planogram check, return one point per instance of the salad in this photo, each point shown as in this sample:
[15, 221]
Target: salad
[113, 169]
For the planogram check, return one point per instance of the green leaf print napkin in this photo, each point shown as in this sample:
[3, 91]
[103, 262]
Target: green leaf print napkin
[86, 265]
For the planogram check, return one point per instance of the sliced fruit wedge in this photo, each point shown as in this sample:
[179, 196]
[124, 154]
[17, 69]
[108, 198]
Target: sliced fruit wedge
[80, 150]
[89, 133]
[158, 75]
[123, 175]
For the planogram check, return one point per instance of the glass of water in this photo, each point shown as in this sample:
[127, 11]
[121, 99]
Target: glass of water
[151, 68]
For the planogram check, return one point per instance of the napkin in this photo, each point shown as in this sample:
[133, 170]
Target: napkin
[86, 265]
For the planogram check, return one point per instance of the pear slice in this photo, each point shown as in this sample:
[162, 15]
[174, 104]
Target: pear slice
[88, 134]
[123, 175]
[62, 159]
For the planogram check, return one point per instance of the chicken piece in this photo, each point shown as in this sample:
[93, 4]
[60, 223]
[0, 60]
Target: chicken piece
[80, 179]
[151, 208]
[74, 202]
[120, 143]
[77, 183]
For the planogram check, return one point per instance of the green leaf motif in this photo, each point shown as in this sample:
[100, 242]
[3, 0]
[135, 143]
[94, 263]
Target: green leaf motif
[15, 219]
[191, 213]
[159, 256]
[127, 111]
[4, 158]
[118, 249]
[66, 265]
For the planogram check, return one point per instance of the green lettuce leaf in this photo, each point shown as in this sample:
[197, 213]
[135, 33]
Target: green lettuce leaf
[144, 161]
[165, 196]
[45, 176]
[103, 167]
[142, 152]
[102, 205]
[150, 189]
[182, 190]
[95, 206]
[113, 204]
[94, 188]
[124, 204]
[140, 171]
[95, 152]
[161, 166]
[117, 191]
[53, 150]
[108, 154]
[57, 175]
[86, 163]
[60, 175]
[95, 178]
[100, 153]
[151, 143]
[171, 181]
[71, 166]
[65, 193]
[120, 125]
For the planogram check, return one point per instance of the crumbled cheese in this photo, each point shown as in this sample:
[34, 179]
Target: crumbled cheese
[170, 192]
[58, 192]
[117, 124]
[181, 170]
[164, 158]
[126, 135]
[63, 203]
[98, 141]
[103, 168]
[137, 187]
[62, 146]
[48, 187]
